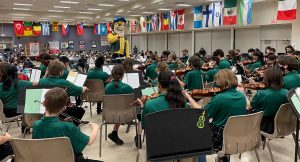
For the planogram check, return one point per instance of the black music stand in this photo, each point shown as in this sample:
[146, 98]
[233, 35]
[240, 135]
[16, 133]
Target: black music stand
[295, 104]
[174, 134]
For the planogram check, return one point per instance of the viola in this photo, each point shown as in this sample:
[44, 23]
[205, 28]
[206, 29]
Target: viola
[207, 92]
[144, 99]
[254, 86]
[247, 62]
[206, 67]
[183, 71]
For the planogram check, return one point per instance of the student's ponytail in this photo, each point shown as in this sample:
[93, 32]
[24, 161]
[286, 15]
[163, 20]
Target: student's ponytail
[117, 74]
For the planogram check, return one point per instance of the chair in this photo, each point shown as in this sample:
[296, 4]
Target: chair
[43, 150]
[7, 158]
[28, 120]
[284, 124]
[117, 109]
[241, 134]
[95, 92]
[4, 119]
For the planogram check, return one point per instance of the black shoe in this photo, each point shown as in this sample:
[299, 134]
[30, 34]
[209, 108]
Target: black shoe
[115, 138]
[138, 142]
[99, 111]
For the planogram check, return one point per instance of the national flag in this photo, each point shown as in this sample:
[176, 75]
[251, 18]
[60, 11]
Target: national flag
[80, 29]
[217, 13]
[55, 27]
[97, 29]
[37, 29]
[108, 27]
[103, 29]
[133, 26]
[138, 26]
[180, 19]
[198, 16]
[143, 24]
[287, 9]
[173, 24]
[65, 28]
[230, 11]
[28, 29]
[149, 25]
[154, 22]
[166, 25]
[245, 12]
[46, 28]
[207, 16]
[19, 28]
[160, 21]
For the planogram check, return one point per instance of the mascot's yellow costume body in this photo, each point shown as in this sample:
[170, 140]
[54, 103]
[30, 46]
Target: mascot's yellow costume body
[119, 44]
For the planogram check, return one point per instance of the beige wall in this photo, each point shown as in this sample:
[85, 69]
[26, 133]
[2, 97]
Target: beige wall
[296, 30]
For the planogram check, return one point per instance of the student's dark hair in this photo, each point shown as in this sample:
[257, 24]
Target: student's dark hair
[117, 74]
[272, 50]
[10, 77]
[174, 94]
[55, 100]
[99, 62]
[216, 59]
[153, 57]
[260, 57]
[290, 61]
[297, 53]
[194, 61]
[267, 48]
[273, 78]
[251, 50]
[197, 54]
[202, 52]
[64, 59]
[2, 69]
[46, 58]
[290, 47]
[128, 65]
[231, 53]
[219, 52]
[166, 53]
[272, 57]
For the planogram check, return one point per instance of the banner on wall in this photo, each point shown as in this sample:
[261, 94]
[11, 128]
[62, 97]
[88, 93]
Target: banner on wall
[104, 41]
[19, 28]
[245, 12]
[37, 29]
[198, 16]
[80, 29]
[54, 47]
[65, 29]
[34, 49]
[287, 9]
[180, 19]
[28, 29]
[230, 12]
[64, 45]
[71, 44]
[173, 24]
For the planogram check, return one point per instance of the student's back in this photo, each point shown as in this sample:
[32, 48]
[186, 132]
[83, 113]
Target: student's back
[291, 80]
[97, 72]
[122, 88]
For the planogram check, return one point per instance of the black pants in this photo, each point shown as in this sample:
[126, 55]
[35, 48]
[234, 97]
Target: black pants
[10, 112]
[267, 124]
[5, 150]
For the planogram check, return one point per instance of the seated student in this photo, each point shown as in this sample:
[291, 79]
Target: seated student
[270, 99]
[259, 61]
[165, 55]
[45, 59]
[9, 90]
[224, 64]
[65, 60]
[289, 50]
[289, 65]
[229, 102]
[162, 66]
[195, 78]
[98, 73]
[50, 125]
[297, 55]
[211, 73]
[117, 87]
[5, 147]
[128, 65]
[271, 60]
[185, 56]
[172, 61]
[234, 59]
[150, 70]
[251, 52]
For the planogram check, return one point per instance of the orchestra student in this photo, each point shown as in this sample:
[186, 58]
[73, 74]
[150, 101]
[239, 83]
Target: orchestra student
[224, 64]
[297, 55]
[5, 147]
[150, 70]
[289, 65]
[258, 56]
[211, 73]
[65, 60]
[44, 63]
[113, 88]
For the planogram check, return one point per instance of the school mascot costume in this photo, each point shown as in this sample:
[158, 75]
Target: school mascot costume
[119, 44]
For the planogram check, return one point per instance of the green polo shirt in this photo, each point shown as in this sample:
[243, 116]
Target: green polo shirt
[211, 74]
[10, 97]
[43, 69]
[97, 73]
[224, 64]
[257, 64]
[226, 104]
[299, 66]
[72, 89]
[51, 127]
[269, 100]
[193, 79]
[291, 80]
[172, 66]
[122, 88]
[151, 71]
[65, 74]
[184, 59]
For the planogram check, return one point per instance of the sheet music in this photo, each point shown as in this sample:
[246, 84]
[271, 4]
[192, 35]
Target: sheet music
[135, 66]
[108, 69]
[80, 80]
[72, 76]
[239, 79]
[132, 79]
[150, 90]
[33, 95]
[35, 75]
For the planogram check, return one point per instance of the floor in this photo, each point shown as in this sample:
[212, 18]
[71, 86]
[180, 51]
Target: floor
[283, 148]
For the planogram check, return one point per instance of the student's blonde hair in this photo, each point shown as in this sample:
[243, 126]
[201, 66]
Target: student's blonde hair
[226, 79]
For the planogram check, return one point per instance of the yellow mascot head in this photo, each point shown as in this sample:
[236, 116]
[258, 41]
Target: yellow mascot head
[119, 26]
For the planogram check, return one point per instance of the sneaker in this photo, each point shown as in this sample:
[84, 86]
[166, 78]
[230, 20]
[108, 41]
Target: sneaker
[115, 138]
[137, 142]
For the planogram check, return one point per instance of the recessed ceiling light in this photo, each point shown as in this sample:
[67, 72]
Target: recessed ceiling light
[17, 17]
[25, 9]
[148, 12]
[124, 0]
[53, 16]
[44, 18]
[61, 7]
[55, 11]
[70, 2]
[128, 11]
[135, 15]
[107, 14]
[117, 14]
[164, 9]
[106, 5]
[183, 5]
[94, 9]
[22, 4]
[86, 12]
[161, 2]
[143, 8]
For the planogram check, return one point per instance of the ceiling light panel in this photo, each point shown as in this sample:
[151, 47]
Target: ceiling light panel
[106, 5]
[23, 9]
[22, 4]
[69, 2]
[61, 7]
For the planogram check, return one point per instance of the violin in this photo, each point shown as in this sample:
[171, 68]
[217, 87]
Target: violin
[247, 62]
[183, 71]
[254, 86]
[144, 99]
[143, 67]
[206, 67]
[207, 92]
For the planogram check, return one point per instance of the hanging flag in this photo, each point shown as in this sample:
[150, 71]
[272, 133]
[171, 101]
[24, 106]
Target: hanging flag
[65, 29]
[154, 22]
[97, 29]
[245, 12]
[28, 29]
[149, 25]
[173, 24]
[19, 28]
[138, 26]
[80, 29]
[166, 25]
[103, 29]
[198, 16]
[37, 29]
[133, 26]
[217, 13]
[160, 21]
[55, 27]
[108, 27]
[46, 28]
[230, 11]
[143, 24]
[287, 9]
[180, 18]
[207, 16]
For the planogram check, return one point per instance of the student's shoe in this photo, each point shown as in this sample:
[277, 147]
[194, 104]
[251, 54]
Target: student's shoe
[115, 138]
[138, 142]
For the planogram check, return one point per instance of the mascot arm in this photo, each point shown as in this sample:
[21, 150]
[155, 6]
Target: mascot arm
[127, 49]
[112, 38]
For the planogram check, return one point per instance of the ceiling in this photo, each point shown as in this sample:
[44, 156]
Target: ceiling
[88, 11]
